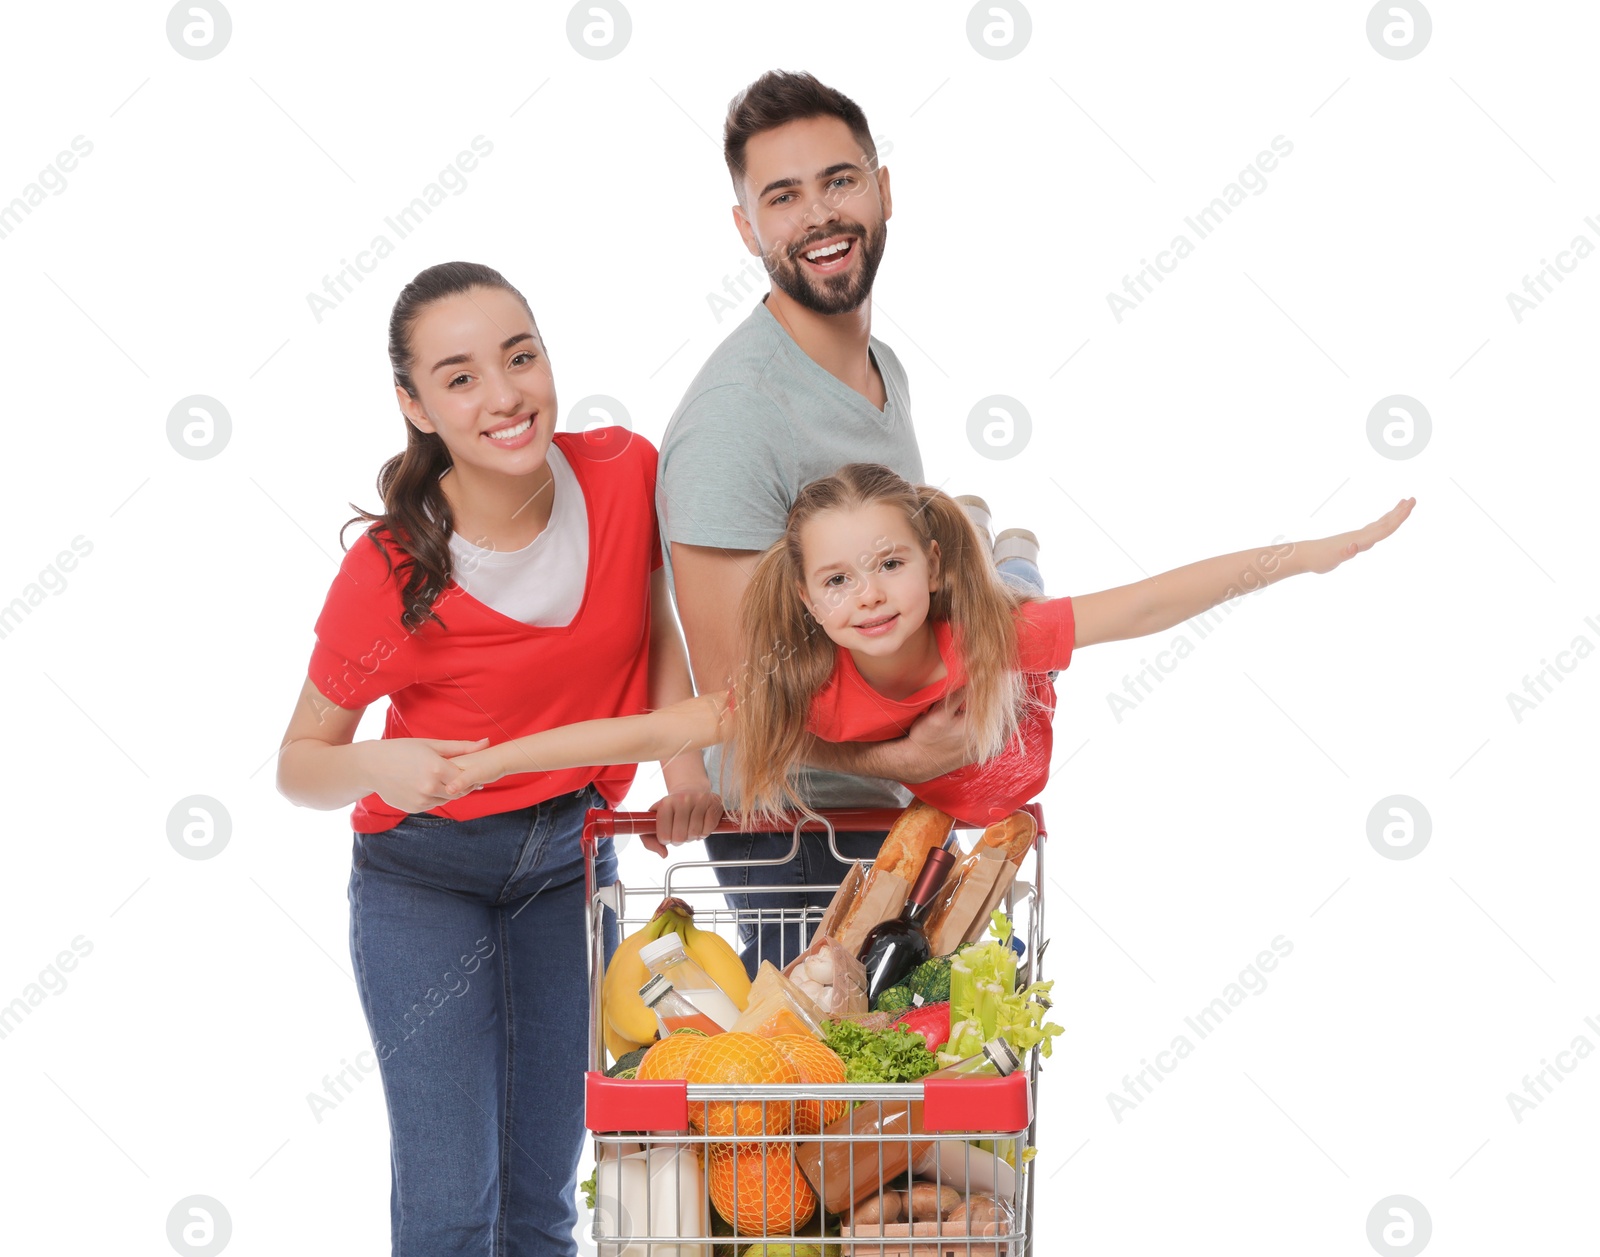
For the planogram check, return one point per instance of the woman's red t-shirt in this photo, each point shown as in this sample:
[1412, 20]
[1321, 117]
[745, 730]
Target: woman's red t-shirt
[485, 674]
[847, 709]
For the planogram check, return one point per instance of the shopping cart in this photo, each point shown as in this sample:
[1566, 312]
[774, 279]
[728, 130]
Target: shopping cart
[655, 1170]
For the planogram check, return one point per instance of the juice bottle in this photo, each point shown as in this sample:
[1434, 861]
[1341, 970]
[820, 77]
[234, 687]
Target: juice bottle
[673, 1012]
[844, 1171]
[666, 956]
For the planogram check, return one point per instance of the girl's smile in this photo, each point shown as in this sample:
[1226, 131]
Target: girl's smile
[879, 626]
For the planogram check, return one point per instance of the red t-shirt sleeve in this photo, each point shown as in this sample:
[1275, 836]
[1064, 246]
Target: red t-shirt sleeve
[361, 650]
[1045, 635]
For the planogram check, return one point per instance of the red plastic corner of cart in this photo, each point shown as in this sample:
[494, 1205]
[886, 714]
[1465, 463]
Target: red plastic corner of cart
[613, 1104]
[976, 1104]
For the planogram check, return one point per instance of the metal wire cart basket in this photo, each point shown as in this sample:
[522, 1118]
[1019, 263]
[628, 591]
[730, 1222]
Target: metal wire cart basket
[674, 1158]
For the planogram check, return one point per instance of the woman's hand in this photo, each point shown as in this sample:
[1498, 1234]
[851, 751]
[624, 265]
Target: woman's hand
[477, 768]
[1324, 555]
[683, 816]
[417, 774]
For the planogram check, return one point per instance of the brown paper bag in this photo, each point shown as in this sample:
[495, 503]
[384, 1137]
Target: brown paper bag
[965, 891]
[979, 928]
[841, 901]
[880, 896]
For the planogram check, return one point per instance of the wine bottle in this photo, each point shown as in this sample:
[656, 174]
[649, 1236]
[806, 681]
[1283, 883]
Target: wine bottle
[897, 946]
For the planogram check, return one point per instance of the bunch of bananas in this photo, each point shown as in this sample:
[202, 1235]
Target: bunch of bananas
[629, 1023]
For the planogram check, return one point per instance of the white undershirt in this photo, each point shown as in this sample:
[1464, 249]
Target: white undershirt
[543, 582]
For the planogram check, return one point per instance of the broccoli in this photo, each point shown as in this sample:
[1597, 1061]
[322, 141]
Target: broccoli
[931, 980]
[628, 1063]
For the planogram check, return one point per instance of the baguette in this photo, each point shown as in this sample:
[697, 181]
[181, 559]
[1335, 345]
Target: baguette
[920, 829]
[882, 892]
[979, 879]
[1014, 835]
[965, 890]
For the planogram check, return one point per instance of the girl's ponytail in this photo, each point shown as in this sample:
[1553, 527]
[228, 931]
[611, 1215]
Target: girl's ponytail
[980, 609]
[787, 658]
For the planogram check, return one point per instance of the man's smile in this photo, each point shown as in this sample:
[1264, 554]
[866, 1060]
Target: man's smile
[829, 255]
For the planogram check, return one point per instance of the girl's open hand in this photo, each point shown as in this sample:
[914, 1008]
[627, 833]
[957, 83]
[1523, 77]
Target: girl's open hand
[683, 816]
[1327, 553]
[416, 774]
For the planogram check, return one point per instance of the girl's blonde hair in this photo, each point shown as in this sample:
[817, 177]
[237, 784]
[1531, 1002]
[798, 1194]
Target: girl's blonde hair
[788, 657]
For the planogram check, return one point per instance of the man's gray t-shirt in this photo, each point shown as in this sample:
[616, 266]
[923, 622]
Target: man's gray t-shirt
[759, 422]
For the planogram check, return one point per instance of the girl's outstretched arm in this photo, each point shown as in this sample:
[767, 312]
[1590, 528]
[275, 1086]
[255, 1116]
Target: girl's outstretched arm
[691, 725]
[690, 809]
[1149, 606]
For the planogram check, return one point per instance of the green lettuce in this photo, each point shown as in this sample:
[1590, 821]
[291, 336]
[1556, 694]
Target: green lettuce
[893, 1055]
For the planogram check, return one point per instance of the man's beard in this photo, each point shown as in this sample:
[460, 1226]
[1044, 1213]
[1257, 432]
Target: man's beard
[831, 294]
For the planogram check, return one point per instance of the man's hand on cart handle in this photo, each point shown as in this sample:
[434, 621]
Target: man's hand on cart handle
[683, 816]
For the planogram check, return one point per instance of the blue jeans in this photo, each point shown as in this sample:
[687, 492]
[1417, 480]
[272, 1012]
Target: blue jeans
[1021, 574]
[778, 938]
[468, 944]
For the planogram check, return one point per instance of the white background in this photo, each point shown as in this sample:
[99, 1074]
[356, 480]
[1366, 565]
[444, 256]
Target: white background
[1229, 807]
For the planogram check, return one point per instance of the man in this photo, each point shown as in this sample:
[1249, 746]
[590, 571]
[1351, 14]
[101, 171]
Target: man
[797, 390]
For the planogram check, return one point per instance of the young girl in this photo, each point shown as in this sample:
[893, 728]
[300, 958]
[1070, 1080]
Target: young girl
[879, 600]
[512, 582]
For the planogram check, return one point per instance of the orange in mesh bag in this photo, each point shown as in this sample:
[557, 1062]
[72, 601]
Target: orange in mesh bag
[757, 1188]
[816, 1063]
[733, 1058]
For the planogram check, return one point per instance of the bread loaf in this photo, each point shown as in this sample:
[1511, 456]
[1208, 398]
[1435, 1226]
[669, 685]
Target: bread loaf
[882, 892]
[1014, 835]
[978, 882]
[921, 828]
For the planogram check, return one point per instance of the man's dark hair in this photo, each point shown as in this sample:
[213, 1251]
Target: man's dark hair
[778, 97]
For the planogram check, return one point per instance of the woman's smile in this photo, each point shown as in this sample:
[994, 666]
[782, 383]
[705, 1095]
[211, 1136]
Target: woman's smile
[514, 435]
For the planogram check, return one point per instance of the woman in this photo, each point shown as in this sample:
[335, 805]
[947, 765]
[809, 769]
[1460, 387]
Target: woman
[512, 582]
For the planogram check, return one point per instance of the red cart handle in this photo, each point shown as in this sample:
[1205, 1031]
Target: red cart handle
[603, 823]
[661, 1106]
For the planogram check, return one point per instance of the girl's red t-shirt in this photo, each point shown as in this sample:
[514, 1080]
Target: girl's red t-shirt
[485, 674]
[847, 709]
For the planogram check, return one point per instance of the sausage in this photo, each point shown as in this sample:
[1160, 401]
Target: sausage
[882, 1209]
[979, 1215]
[930, 1202]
